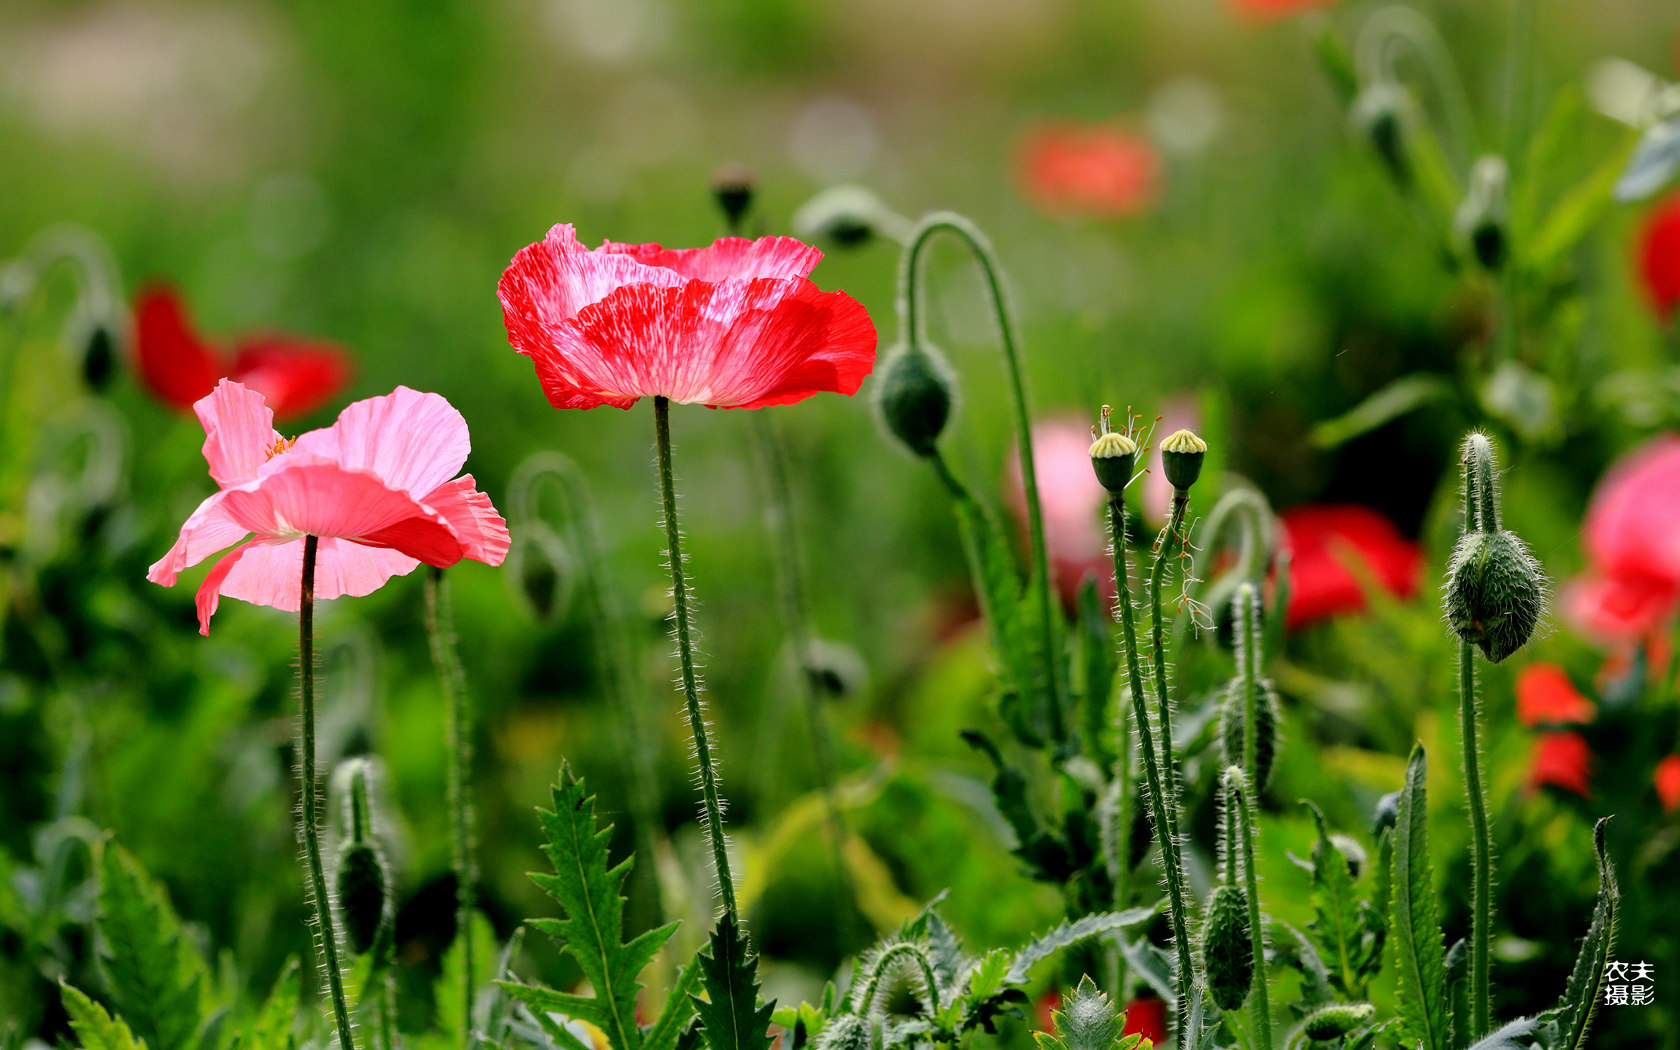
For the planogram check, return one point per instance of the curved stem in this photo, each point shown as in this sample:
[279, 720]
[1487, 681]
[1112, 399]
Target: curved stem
[1481, 846]
[310, 831]
[883, 965]
[1375, 57]
[1162, 796]
[685, 654]
[440, 629]
[1259, 998]
[909, 305]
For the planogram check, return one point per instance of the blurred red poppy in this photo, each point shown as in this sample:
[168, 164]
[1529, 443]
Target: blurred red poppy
[1098, 171]
[1149, 1016]
[1632, 586]
[1668, 783]
[1071, 499]
[294, 376]
[1546, 696]
[1324, 540]
[1271, 10]
[1659, 256]
[1562, 760]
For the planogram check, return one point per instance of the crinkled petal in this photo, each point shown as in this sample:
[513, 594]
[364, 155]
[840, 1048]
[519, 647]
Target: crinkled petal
[207, 530]
[326, 500]
[295, 376]
[482, 532]
[550, 281]
[269, 571]
[738, 257]
[238, 432]
[414, 442]
[176, 366]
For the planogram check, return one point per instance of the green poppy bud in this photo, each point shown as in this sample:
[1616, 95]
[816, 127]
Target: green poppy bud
[1387, 813]
[1336, 1020]
[1266, 718]
[846, 1032]
[913, 395]
[732, 188]
[1481, 218]
[1495, 593]
[360, 883]
[1378, 117]
[1113, 455]
[846, 216]
[99, 356]
[1181, 458]
[1227, 951]
[1352, 853]
[542, 570]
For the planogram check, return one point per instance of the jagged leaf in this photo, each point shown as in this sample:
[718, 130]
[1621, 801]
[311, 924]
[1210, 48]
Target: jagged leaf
[1337, 926]
[1151, 963]
[1035, 844]
[730, 1016]
[1086, 1021]
[153, 973]
[997, 583]
[1586, 981]
[1071, 933]
[1506, 1037]
[97, 1029]
[1415, 928]
[1298, 952]
[271, 1028]
[679, 1009]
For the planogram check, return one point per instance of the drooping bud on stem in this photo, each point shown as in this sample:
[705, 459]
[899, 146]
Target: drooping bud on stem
[913, 395]
[732, 188]
[848, 216]
[1495, 591]
[1112, 454]
[1378, 116]
[1482, 216]
[360, 881]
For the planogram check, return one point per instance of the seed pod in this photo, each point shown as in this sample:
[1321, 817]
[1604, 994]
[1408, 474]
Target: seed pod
[1181, 458]
[1227, 951]
[1112, 456]
[1495, 592]
[1266, 718]
[1481, 217]
[1336, 1020]
[359, 882]
[913, 395]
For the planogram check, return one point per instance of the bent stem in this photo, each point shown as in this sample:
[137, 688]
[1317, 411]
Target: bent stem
[325, 932]
[440, 629]
[1162, 795]
[685, 654]
[908, 306]
[1259, 1002]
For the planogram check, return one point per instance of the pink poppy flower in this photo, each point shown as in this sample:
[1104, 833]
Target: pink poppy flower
[1667, 780]
[1659, 256]
[1546, 696]
[1632, 585]
[377, 487]
[1562, 760]
[1323, 541]
[735, 325]
[1071, 498]
[1097, 170]
[179, 368]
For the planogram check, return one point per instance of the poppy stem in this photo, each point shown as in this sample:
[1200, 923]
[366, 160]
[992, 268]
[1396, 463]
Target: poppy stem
[1166, 548]
[326, 933]
[1259, 1003]
[446, 657]
[1481, 513]
[908, 306]
[685, 654]
[1163, 798]
[1248, 616]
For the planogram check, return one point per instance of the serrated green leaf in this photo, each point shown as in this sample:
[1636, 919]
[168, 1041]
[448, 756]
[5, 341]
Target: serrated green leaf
[272, 1027]
[1415, 931]
[1298, 952]
[679, 1009]
[730, 1016]
[1337, 925]
[155, 976]
[1585, 988]
[1506, 1038]
[1087, 1019]
[1071, 933]
[590, 895]
[1152, 964]
[997, 583]
[97, 1029]
[582, 1007]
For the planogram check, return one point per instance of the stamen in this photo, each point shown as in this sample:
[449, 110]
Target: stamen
[279, 445]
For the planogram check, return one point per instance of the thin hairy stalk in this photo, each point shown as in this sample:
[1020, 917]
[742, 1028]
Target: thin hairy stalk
[446, 657]
[1259, 998]
[865, 1002]
[909, 305]
[1162, 796]
[685, 655]
[325, 931]
[1167, 547]
[791, 591]
[1246, 602]
[1481, 848]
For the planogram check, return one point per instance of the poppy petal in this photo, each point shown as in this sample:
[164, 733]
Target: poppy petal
[205, 532]
[295, 376]
[238, 432]
[739, 257]
[269, 571]
[482, 532]
[176, 366]
[412, 441]
[323, 499]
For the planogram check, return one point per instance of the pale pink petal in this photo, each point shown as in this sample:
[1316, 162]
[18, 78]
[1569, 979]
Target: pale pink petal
[238, 432]
[550, 281]
[470, 513]
[326, 500]
[1633, 524]
[413, 441]
[207, 530]
[1612, 607]
[210, 591]
[270, 572]
[773, 257]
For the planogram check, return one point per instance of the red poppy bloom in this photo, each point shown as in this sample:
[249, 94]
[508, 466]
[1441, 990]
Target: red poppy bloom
[1668, 783]
[1148, 1016]
[1633, 544]
[735, 325]
[1098, 170]
[1271, 10]
[1070, 497]
[294, 376]
[1324, 541]
[1659, 256]
[1562, 760]
[1546, 696]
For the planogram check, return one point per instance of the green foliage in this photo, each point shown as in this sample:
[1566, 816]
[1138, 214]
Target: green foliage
[155, 977]
[273, 1026]
[1582, 994]
[97, 1029]
[1414, 930]
[1089, 1021]
[1349, 931]
[730, 1015]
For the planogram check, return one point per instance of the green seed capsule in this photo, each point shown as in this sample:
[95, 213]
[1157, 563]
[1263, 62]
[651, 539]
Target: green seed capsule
[1336, 1020]
[1227, 951]
[1495, 592]
[913, 395]
[359, 883]
[1181, 458]
[1112, 457]
[1266, 718]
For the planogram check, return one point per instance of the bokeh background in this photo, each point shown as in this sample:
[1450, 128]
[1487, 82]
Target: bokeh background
[360, 174]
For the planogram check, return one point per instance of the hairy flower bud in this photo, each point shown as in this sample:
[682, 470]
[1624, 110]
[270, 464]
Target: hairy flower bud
[543, 572]
[99, 356]
[1386, 814]
[732, 188]
[1336, 1020]
[1353, 854]
[1265, 728]
[1181, 458]
[846, 216]
[1377, 116]
[1113, 455]
[1495, 593]
[1481, 217]
[913, 394]
[359, 883]
[1227, 951]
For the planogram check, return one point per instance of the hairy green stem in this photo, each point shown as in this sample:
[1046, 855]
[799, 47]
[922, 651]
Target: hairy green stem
[1166, 547]
[1259, 1001]
[883, 965]
[908, 305]
[1162, 795]
[440, 629]
[310, 831]
[685, 655]
[1481, 847]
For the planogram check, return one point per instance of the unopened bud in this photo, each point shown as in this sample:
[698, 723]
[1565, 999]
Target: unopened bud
[1353, 854]
[99, 356]
[1112, 455]
[846, 216]
[1495, 593]
[913, 395]
[1482, 216]
[1336, 1020]
[1266, 717]
[1378, 117]
[732, 188]
[1386, 814]
[846, 1032]
[1227, 951]
[360, 882]
[1181, 458]
[542, 570]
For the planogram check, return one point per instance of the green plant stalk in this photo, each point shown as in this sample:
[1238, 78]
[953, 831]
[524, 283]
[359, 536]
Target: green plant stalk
[883, 964]
[1481, 845]
[1167, 547]
[446, 657]
[1259, 998]
[908, 305]
[685, 654]
[1162, 796]
[1251, 688]
[309, 824]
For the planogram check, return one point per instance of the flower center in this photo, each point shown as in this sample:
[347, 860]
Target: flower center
[279, 445]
